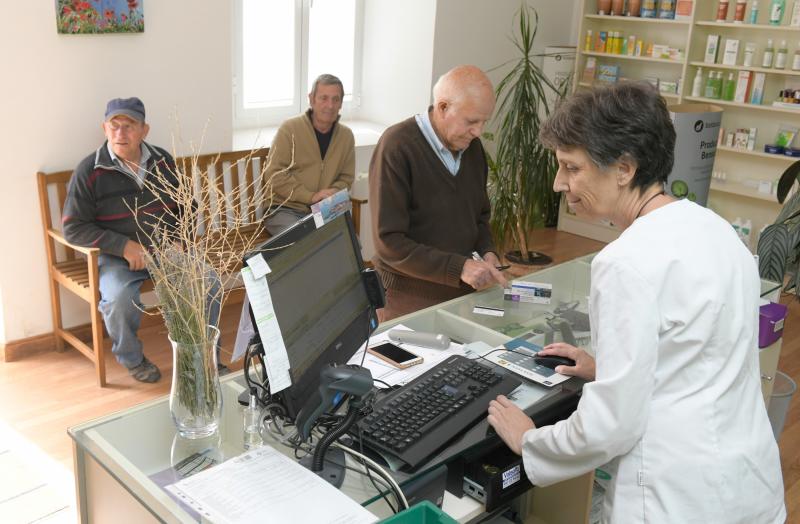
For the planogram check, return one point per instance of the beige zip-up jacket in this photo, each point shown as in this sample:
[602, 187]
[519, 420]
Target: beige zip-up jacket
[294, 188]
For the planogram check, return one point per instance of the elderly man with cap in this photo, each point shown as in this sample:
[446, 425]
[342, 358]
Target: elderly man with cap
[104, 189]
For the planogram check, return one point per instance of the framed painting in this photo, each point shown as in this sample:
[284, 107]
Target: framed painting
[99, 16]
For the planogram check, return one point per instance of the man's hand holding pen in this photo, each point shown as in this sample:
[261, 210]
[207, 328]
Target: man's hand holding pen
[483, 272]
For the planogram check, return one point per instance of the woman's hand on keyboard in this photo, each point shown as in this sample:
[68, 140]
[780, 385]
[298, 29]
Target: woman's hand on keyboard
[509, 422]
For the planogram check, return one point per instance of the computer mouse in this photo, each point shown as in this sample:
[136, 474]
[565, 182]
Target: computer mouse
[551, 361]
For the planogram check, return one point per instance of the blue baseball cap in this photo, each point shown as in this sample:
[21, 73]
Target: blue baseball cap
[130, 107]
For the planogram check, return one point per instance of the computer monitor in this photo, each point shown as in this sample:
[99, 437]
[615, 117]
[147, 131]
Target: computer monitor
[320, 300]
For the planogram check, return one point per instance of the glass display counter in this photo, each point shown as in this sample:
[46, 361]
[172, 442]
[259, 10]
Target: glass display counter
[124, 460]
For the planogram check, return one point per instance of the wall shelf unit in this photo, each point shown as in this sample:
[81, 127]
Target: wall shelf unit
[737, 195]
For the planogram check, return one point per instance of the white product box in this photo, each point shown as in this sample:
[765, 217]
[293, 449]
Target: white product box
[712, 47]
[731, 54]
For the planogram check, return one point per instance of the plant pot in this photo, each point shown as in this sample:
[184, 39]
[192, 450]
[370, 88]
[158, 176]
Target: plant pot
[195, 398]
[534, 258]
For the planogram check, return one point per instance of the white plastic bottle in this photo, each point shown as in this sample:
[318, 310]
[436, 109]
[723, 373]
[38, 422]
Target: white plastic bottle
[780, 57]
[769, 52]
[697, 84]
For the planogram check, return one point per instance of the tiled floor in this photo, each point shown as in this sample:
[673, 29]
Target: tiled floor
[33, 487]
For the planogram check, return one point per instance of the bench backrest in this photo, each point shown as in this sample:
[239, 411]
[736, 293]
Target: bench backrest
[236, 174]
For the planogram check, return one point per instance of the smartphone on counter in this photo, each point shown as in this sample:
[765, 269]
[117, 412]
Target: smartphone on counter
[395, 355]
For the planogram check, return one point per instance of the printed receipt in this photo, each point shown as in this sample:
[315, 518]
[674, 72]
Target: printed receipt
[276, 358]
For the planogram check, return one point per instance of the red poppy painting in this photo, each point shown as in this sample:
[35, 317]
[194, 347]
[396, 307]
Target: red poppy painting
[99, 16]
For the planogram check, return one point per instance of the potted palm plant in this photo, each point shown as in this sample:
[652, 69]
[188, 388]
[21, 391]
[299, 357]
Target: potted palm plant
[522, 171]
[779, 244]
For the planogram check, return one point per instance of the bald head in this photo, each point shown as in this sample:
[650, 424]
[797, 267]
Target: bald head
[463, 82]
[463, 101]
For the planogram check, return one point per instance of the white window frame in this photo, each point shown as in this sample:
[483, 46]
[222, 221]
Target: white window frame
[273, 116]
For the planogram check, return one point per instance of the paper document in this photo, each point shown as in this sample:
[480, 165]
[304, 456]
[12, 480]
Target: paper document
[393, 376]
[329, 208]
[264, 486]
[276, 359]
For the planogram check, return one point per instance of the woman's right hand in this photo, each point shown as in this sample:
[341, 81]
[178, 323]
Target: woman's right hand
[584, 362]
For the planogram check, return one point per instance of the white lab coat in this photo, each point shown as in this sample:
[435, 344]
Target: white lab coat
[676, 408]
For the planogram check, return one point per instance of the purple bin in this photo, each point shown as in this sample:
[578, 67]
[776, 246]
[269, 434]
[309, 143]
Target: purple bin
[770, 323]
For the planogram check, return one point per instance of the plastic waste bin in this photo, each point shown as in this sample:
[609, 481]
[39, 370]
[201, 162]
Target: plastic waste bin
[779, 401]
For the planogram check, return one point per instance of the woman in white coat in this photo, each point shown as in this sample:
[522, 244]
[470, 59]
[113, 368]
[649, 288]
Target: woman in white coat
[674, 408]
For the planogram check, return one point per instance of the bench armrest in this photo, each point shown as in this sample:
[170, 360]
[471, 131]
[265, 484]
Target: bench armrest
[58, 237]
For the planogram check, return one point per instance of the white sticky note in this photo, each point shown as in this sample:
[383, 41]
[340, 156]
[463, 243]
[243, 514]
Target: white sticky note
[319, 220]
[276, 358]
[259, 266]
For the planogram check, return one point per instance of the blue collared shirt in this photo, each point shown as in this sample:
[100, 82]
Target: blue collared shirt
[141, 172]
[451, 162]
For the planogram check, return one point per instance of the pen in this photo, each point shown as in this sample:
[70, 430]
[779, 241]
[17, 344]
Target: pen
[476, 257]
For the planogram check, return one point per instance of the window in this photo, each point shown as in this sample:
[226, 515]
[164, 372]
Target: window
[281, 46]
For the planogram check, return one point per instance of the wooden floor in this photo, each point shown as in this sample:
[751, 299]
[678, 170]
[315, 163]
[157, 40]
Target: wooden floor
[42, 395]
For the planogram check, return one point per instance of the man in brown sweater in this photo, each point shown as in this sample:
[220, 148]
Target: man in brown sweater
[430, 210]
[321, 152]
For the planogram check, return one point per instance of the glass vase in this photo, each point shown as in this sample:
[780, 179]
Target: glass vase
[195, 398]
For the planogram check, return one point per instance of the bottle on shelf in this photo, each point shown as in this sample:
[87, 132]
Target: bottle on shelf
[753, 18]
[697, 84]
[744, 232]
[728, 88]
[722, 10]
[617, 7]
[603, 7]
[587, 46]
[634, 7]
[795, 20]
[780, 57]
[252, 423]
[796, 59]
[769, 52]
[776, 9]
[737, 226]
[738, 14]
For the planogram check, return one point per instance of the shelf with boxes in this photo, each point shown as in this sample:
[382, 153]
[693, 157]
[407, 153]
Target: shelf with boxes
[765, 107]
[750, 49]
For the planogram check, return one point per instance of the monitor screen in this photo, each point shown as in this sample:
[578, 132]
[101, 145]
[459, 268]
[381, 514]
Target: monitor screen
[319, 298]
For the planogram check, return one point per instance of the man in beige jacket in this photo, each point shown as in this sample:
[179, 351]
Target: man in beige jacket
[324, 156]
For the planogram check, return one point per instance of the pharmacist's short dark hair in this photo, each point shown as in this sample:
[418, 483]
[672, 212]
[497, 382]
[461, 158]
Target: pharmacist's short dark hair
[625, 120]
[326, 80]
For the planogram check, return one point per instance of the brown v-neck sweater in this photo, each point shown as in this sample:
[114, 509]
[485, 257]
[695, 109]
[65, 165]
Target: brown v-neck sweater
[425, 221]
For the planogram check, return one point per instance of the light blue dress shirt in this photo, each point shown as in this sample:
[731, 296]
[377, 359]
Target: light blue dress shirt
[451, 162]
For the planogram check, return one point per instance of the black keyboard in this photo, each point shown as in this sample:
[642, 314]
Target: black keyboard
[417, 420]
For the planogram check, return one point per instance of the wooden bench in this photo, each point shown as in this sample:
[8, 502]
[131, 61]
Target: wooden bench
[74, 268]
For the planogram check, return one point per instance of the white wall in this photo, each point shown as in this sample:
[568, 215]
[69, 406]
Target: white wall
[397, 60]
[478, 32]
[52, 100]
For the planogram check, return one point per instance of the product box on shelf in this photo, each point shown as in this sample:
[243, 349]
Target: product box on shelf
[731, 54]
[607, 73]
[712, 48]
[742, 86]
[683, 9]
[589, 70]
[757, 89]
